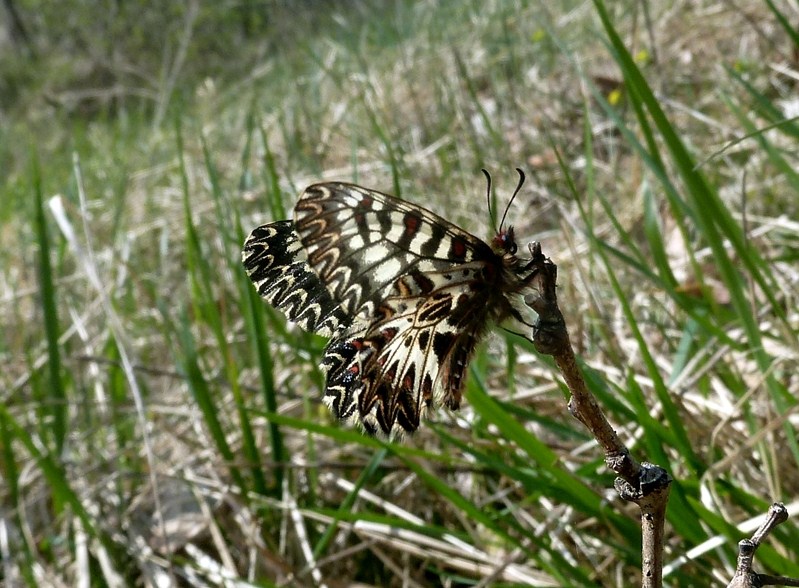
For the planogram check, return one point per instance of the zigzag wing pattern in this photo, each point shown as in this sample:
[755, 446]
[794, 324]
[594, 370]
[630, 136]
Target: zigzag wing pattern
[276, 263]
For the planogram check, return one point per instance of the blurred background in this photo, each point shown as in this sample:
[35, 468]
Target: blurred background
[160, 425]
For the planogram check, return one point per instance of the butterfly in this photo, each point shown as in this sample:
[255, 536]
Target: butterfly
[404, 296]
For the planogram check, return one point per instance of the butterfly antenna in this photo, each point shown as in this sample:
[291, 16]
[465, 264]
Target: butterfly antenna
[518, 189]
[488, 198]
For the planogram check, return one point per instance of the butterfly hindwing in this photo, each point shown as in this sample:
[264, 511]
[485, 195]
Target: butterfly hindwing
[413, 358]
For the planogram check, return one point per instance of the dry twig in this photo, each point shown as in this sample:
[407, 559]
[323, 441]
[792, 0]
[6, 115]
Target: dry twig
[645, 484]
[744, 576]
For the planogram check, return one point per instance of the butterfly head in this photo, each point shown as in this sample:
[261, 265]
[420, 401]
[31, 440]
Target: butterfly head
[504, 242]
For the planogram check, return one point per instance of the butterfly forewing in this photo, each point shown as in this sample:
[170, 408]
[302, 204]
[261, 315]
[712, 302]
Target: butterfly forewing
[420, 284]
[360, 242]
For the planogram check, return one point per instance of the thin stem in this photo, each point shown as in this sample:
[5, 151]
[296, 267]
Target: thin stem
[745, 576]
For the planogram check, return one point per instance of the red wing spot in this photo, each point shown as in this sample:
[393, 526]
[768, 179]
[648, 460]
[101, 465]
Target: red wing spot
[354, 370]
[388, 334]
[367, 351]
[457, 248]
[427, 389]
[409, 378]
[365, 203]
[412, 224]
[391, 372]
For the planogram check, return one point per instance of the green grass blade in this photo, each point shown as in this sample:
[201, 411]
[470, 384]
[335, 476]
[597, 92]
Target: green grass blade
[206, 307]
[52, 403]
[789, 28]
[258, 335]
[759, 135]
[201, 392]
[9, 472]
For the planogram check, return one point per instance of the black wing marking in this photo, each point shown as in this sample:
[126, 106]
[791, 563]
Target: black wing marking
[276, 263]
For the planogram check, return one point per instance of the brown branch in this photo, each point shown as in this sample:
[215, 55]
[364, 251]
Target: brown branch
[643, 483]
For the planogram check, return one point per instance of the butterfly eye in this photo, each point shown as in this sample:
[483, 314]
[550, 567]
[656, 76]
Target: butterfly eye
[508, 241]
